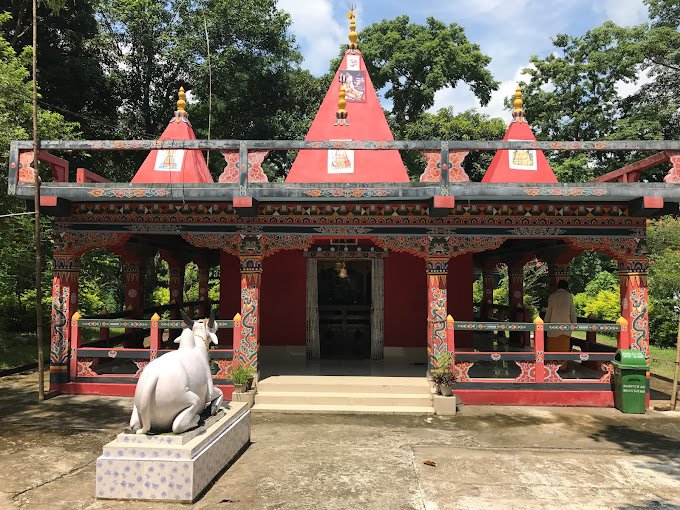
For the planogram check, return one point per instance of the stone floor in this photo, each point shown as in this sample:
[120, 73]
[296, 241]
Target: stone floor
[484, 458]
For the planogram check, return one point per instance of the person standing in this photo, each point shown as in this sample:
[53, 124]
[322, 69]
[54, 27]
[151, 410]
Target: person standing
[561, 310]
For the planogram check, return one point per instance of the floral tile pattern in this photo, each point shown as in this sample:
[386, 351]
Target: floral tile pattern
[157, 469]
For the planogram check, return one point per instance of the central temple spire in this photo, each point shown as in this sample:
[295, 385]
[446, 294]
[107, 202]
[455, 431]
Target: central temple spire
[350, 111]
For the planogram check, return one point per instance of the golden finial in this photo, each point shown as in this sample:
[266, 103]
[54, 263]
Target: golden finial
[518, 106]
[341, 114]
[353, 36]
[181, 113]
[182, 101]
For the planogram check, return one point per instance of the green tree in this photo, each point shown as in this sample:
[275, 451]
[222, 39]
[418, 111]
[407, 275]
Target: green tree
[447, 125]
[414, 61]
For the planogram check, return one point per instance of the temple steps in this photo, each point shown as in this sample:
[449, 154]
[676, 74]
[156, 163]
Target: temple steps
[344, 395]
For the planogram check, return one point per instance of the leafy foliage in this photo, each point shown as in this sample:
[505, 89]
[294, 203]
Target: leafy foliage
[414, 61]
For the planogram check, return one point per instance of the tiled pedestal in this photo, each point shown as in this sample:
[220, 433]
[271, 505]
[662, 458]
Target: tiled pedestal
[172, 467]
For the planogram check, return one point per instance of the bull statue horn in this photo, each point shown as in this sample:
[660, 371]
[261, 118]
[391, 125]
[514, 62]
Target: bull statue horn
[186, 319]
[211, 322]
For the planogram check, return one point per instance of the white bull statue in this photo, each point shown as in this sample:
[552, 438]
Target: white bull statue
[174, 389]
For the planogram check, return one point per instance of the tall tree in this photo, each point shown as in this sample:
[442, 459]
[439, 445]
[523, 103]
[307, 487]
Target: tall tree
[577, 92]
[414, 61]
[447, 125]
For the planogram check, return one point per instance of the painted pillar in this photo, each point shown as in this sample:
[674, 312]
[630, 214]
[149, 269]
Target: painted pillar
[251, 278]
[516, 287]
[436, 270]
[64, 305]
[516, 302]
[486, 306]
[133, 276]
[176, 285]
[556, 273]
[635, 301]
[203, 276]
[635, 306]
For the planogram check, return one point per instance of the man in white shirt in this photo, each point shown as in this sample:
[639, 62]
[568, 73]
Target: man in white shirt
[560, 309]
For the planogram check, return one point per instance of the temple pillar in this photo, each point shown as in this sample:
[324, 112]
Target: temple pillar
[251, 278]
[133, 276]
[635, 301]
[517, 310]
[203, 277]
[176, 286]
[436, 269]
[64, 304]
[488, 286]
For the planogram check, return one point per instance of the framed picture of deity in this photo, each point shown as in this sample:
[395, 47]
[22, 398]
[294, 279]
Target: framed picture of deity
[355, 86]
[522, 159]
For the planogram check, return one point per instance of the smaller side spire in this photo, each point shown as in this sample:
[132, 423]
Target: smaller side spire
[181, 113]
[341, 113]
[518, 106]
[353, 36]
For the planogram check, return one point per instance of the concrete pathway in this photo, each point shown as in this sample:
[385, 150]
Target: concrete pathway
[485, 458]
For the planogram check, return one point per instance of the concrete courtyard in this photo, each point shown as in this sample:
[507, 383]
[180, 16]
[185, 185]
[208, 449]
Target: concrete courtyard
[485, 458]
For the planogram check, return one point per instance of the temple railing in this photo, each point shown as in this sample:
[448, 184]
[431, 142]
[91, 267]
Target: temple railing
[20, 173]
[122, 366]
[505, 365]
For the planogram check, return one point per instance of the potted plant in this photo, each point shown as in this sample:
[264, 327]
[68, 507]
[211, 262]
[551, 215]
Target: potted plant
[444, 401]
[240, 377]
[442, 375]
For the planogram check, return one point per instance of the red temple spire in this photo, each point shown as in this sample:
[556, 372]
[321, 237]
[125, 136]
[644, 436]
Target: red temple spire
[350, 111]
[175, 166]
[519, 165]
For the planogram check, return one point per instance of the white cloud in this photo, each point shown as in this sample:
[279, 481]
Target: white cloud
[317, 30]
[461, 98]
[625, 89]
[623, 12]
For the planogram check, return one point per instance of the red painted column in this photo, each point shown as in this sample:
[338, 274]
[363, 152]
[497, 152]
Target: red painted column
[251, 278]
[436, 270]
[516, 287]
[486, 306]
[635, 301]
[133, 275]
[203, 275]
[64, 305]
[176, 286]
[635, 306]
[516, 301]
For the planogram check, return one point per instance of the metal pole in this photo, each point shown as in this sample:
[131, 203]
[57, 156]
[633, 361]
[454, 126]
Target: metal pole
[674, 395]
[36, 199]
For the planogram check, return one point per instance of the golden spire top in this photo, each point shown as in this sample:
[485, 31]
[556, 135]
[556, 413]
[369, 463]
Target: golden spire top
[182, 101]
[518, 106]
[181, 113]
[353, 36]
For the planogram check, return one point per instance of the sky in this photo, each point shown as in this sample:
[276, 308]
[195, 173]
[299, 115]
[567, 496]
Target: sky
[509, 31]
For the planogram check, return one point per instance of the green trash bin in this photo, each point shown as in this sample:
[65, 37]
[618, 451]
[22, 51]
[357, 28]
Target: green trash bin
[630, 381]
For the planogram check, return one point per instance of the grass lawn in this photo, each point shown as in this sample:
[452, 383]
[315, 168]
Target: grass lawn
[20, 349]
[17, 349]
[663, 358]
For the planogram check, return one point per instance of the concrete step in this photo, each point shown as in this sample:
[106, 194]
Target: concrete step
[340, 409]
[371, 398]
[346, 384]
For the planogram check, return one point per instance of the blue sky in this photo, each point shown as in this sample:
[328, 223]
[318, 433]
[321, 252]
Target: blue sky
[509, 31]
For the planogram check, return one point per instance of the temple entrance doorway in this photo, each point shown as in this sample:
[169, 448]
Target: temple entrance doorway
[344, 301]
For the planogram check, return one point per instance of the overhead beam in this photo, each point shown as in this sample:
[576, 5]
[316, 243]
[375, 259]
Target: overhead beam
[631, 172]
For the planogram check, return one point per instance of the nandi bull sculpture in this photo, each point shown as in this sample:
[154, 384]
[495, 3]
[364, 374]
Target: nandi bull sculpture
[174, 389]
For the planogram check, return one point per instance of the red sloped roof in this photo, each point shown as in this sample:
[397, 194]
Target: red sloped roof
[174, 166]
[366, 122]
[522, 165]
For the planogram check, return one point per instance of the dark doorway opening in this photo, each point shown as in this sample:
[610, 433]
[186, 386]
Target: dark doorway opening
[345, 309]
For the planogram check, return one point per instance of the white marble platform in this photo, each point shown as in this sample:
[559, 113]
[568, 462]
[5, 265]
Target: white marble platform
[171, 467]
